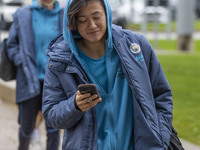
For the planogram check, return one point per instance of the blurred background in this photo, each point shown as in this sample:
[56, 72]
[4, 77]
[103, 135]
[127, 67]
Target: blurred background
[173, 29]
[169, 20]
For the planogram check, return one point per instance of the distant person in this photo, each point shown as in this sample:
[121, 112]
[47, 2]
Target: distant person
[134, 108]
[33, 28]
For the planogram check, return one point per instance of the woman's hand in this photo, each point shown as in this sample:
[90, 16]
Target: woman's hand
[85, 101]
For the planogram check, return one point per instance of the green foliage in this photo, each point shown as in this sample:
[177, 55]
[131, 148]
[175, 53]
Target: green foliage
[183, 74]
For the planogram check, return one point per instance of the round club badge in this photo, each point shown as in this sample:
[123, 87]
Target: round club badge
[135, 48]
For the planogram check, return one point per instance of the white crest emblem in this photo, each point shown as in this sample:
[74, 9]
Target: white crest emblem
[135, 48]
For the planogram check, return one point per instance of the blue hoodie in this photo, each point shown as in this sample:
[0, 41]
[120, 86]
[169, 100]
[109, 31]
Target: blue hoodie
[115, 112]
[21, 50]
[46, 27]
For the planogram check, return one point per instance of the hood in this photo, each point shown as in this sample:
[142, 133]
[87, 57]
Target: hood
[36, 5]
[70, 36]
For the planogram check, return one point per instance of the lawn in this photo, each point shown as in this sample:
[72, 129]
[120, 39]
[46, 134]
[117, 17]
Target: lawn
[183, 74]
[172, 45]
[161, 27]
[150, 27]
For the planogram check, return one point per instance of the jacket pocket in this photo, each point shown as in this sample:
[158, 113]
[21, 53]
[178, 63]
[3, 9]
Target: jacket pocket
[80, 136]
[156, 132]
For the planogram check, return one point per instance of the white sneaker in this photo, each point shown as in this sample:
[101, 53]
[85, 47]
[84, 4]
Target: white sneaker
[36, 145]
[36, 135]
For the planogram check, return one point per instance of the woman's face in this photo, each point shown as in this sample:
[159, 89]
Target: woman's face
[91, 22]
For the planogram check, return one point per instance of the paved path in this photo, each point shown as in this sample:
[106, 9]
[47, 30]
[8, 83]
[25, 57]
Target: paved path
[9, 129]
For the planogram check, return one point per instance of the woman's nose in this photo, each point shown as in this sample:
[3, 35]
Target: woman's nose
[92, 23]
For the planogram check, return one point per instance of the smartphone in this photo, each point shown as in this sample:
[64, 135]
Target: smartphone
[88, 88]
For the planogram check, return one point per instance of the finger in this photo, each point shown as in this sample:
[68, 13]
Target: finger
[80, 100]
[94, 97]
[88, 105]
[83, 96]
[94, 102]
[87, 98]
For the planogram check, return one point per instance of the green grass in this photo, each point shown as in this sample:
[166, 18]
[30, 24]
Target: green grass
[172, 45]
[162, 27]
[197, 45]
[150, 27]
[183, 74]
[165, 44]
[197, 25]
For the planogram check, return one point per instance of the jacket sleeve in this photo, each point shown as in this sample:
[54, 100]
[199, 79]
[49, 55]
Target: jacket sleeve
[13, 45]
[58, 108]
[161, 92]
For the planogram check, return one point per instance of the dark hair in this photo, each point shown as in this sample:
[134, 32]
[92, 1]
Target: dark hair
[73, 10]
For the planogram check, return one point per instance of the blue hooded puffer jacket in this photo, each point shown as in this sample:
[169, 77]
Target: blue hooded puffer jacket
[152, 97]
[21, 51]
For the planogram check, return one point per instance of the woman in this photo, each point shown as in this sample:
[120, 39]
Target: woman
[33, 28]
[134, 110]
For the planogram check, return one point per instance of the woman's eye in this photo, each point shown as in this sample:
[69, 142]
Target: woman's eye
[82, 21]
[96, 18]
